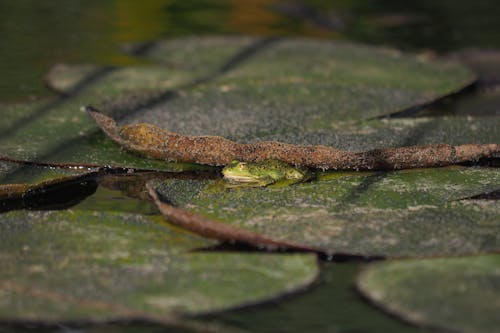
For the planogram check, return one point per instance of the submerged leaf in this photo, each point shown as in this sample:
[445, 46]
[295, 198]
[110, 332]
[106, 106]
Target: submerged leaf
[74, 265]
[458, 294]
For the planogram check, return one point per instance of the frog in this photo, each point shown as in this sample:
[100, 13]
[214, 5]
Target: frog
[264, 173]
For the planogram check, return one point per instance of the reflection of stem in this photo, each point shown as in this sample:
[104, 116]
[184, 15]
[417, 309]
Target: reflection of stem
[156, 143]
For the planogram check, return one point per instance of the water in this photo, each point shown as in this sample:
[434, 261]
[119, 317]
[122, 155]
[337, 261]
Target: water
[37, 34]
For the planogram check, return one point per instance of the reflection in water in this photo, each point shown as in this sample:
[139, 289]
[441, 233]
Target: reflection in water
[60, 194]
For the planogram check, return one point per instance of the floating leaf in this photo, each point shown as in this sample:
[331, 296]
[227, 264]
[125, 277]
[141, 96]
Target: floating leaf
[58, 130]
[458, 294]
[62, 135]
[246, 89]
[485, 62]
[406, 213]
[76, 265]
[29, 174]
[333, 305]
[30, 187]
[277, 89]
[64, 78]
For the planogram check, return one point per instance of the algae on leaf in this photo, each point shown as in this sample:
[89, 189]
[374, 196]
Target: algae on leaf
[75, 265]
[247, 89]
[291, 85]
[458, 294]
[408, 213]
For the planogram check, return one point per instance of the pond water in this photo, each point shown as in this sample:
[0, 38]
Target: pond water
[36, 35]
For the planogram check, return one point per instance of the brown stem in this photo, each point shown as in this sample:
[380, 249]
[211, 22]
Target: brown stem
[156, 143]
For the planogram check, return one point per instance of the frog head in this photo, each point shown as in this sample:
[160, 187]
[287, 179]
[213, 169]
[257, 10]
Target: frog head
[254, 174]
[261, 173]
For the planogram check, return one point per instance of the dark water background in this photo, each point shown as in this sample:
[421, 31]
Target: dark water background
[34, 35]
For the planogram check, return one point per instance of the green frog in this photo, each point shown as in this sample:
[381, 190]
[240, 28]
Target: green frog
[263, 173]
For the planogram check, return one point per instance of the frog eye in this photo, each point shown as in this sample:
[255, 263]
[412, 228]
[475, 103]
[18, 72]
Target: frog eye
[242, 166]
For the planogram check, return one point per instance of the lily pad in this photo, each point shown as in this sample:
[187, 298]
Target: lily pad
[458, 294]
[485, 62]
[30, 187]
[75, 265]
[62, 133]
[216, 89]
[405, 213]
[63, 78]
[31, 175]
[291, 85]
[57, 130]
[335, 287]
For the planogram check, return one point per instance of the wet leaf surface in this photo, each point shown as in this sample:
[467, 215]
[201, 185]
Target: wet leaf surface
[405, 213]
[76, 265]
[17, 173]
[293, 85]
[31, 187]
[457, 294]
[57, 130]
[246, 89]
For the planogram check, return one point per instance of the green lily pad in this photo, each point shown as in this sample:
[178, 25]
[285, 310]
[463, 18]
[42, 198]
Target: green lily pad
[31, 187]
[62, 135]
[76, 265]
[245, 88]
[335, 287]
[205, 56]
[18, 173]
[296, 85]
[62, 78]
[457, 294]
[405, 213]
[485, 62]
[383, 133]
[59, 131]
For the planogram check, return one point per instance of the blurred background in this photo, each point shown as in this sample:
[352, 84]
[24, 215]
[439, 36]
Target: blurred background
[37, 34]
